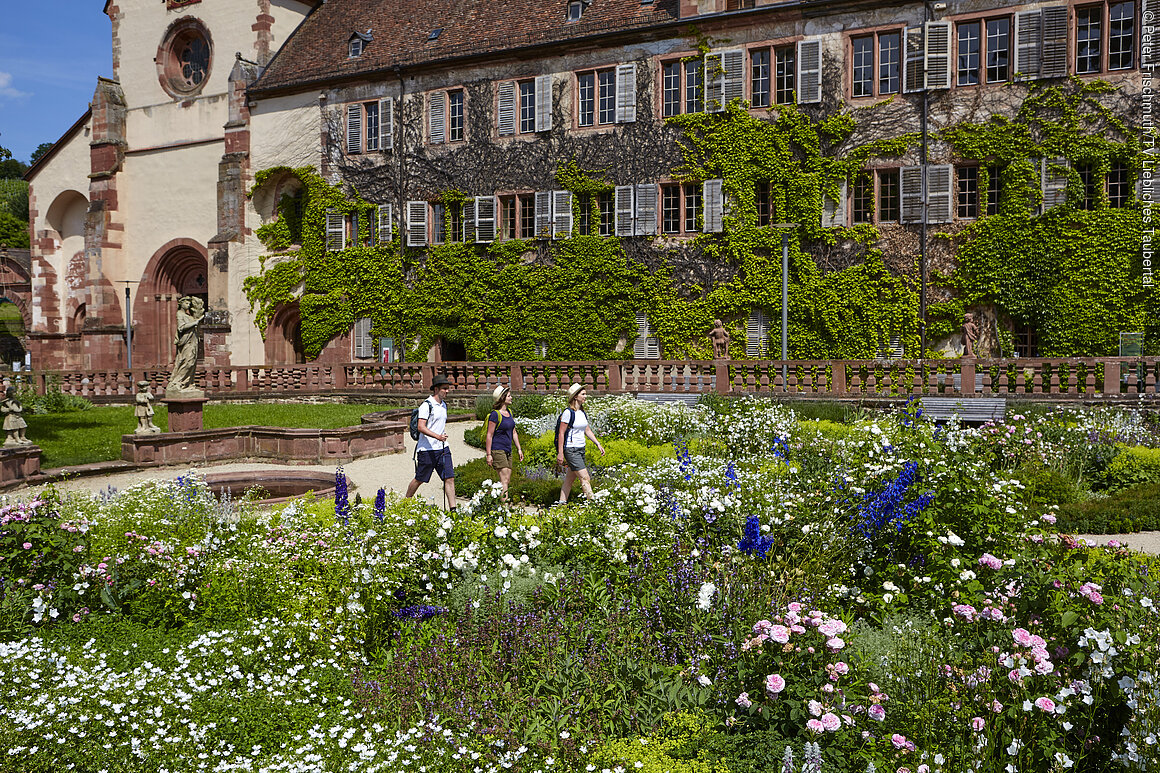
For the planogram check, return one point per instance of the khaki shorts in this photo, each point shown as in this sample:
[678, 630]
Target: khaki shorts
[501, 460]
[574, 458]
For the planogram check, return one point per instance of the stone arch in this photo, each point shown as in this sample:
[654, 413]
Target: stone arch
[284, 337]
[180, 267]
[13, 330]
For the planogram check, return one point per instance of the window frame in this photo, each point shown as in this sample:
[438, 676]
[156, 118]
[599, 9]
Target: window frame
[685, 62]
[960, 179]
[449, 139]
[1117, 200]
[983, 69]
[595, 72]
[876, 33]
[1104, 38]
[880, 197]
[772, 49]
[447, 92]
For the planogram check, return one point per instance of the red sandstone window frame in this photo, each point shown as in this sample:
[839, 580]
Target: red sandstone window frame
[875, 52]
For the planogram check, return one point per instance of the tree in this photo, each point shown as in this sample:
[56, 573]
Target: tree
[41, 149]
[11, 169]
[13, 230]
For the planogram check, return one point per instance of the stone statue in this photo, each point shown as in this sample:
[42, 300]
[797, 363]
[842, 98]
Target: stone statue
[190, 313]
[14, 423]
[720, 338]
[144, 411]
[970, 334]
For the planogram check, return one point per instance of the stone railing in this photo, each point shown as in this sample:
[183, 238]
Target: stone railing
[1060, 379]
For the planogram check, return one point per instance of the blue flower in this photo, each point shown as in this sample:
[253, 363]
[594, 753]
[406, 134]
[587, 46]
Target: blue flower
[381, 505]
[731, 476]
[754, 542]
[341, 498]
[684, 460]
[418, 612]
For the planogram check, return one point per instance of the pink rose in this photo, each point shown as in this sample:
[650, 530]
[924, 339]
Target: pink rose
[815, 726]
[743, 700]
[774, 683]
[977, 724]
[841, 668]
[834, 644]
[815, 708]
[779, 633]
[877, 713]
[1022, 637]
[28, 546]
[900, 741]
[831, 722]
[1045, 704]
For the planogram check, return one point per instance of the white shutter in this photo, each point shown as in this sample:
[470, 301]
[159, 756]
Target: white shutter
[485, 218]
[914, 73]
[645, 347]
[335, 230]
[416, 223]
[713, 203]
[938, 54]
[384, 223]
[756, 334]
[734, 75]
[624, 210]
[386, 123]
[543, 214]
[438, 118]
[544, 103]
[1054, 42]
[364, 346]
[1028, 44]
[354, 128]
[506, 117]
[834, 212]
[468, 226]
[939, 184]
[1148, 56]
[911, 194]
[1053, 182]
[561, 214]
[809, 71]
[626, 93]
[646, 210]
[714, 82]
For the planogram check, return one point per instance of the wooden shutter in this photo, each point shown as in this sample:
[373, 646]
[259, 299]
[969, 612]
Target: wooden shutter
[384, 228]
[757, 334]
[939, 185]
[561, 214]
[1054, 42]
[485, 218]
[364, 345]
[714, 82]
[506, 117]
[1028, 44]
[712, 201]
[834, 212]
[646, 209]
[467, 228]
[416, 223]
[386, 123]
[544, 103]
[626, 93]
[354, 128]
[809, 71]
[645, 347]
[335, 230]
[914, 73]
[438, 118]
[543, 214]
[1053, 181]
[1148, 56]
[624, 210]
[734, 75]
[911, 194]
[938, 54]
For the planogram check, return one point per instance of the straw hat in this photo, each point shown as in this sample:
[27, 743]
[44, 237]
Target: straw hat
[498, 393]
[573, 391]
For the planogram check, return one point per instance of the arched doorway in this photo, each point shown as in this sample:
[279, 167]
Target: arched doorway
[12, 332]
[178, 269]
[284, 337]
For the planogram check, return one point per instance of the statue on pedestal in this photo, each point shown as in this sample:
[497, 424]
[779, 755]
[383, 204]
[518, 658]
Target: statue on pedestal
[14, 424]
[144, 410]
[970, 334]
[190, 313]
[720, 338]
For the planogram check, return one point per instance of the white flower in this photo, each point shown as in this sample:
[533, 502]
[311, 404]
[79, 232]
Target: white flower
[704, 681]
[705, 596]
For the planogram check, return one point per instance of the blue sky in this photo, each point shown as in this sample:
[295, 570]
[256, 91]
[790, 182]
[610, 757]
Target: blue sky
[51, 52]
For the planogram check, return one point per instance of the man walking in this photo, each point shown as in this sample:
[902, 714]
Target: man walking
[432, 451]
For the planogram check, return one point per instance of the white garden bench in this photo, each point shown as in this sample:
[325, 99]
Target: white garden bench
[668, 397]
[970, 410]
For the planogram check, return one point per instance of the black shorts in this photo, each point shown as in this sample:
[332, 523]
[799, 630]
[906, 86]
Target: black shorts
[438, 461]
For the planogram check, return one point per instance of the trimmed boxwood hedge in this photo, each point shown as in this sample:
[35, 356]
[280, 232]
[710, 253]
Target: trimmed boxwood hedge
[1131, 510]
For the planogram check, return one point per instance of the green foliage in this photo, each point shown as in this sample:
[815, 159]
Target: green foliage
[1134, 509]
[1047, 486]
[680, 746]
[530, 405]
[52, 401]
[1132, 466]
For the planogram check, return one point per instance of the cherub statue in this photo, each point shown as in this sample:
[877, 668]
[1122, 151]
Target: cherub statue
[720, 338]
[14, 423]
[144, 410]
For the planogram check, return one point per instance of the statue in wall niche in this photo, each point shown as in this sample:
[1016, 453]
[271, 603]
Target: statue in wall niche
[720, 338]
[14, 424]
[970, 334]
[144, 410]
[190, 313]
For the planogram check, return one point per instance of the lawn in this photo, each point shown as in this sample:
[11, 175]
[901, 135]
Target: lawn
[83, 437]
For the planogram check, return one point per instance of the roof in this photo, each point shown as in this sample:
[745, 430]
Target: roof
[80, 122]
[317, 51]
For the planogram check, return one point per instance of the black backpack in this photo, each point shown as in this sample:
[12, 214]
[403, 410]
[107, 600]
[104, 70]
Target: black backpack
[414, 425]
[556, 435]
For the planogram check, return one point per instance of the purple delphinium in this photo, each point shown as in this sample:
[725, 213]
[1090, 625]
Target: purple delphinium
[381, 505]
[341, 498]
[418, 612]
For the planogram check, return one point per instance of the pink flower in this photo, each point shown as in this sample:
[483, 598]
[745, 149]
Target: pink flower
[1022, 637]
[965, 611]
[877, 713]
[991, 561]
[1045, 704]
[996, 706]
[1096, 598]
[832, 628]
[743, 701]
[762, 627]
[28, 546]
[834, 644]
[815, 708]
[779, 633]
[1048, 518]
[831, 722]
[977, 724]
[815, 726]
[774, 683]
[841, 668]
[900, 742]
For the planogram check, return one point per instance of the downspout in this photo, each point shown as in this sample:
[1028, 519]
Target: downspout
[927, 16]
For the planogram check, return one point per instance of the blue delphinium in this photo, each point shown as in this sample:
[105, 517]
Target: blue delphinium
[341, 498]
[754, 543]
[910, 416]
[684, 460]
[731, 476]
[381, 505]
[884, 509]
[780, 449]
[418, 612]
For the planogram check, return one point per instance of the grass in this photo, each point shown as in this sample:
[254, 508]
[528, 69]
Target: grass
[94, 435]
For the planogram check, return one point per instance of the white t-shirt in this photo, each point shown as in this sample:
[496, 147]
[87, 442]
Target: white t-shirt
[575, 437]
[436, 416]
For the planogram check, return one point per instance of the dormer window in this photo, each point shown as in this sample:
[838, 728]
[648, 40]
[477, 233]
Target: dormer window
[575, 10]
[356, 48]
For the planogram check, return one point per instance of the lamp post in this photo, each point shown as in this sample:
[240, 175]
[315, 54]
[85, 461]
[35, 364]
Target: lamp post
[128, 326]
[785, 229]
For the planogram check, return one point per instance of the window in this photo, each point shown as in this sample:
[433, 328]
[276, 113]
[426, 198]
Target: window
[604, 202]
[606, 80]
[889, 196]
[998, 52]
[671, 88]
[1087, 177]
[575, 11]
[586, 98]
[970, 48]
[739, 5]
[681, 86]
[1119, 185]
[1026, 341]
[369, 126]
[1087, 39]
[438, 223]
[507, 217]
[527, 107]
[968, 192]
[693, 85]
[670, 209]
[757, 334]
[994, 181]
[371, 109]
[764, 204]
[692, 207]
[759, 78]
[363, 342]
[1120, 43]
[445, 117]
[356, 48]
[875, 60]
[646, 346]
[863, 198]
[785, 75]
[186, 58]
[596, 92]
[1121, 36]
[455, 226]
[455, 116]
[527, 205]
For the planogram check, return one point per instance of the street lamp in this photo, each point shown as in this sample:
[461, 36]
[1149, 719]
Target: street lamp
[128, 325]
[785, 229]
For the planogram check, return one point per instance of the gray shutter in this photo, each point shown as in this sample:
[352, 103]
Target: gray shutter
[713, 203]
[485, 218]
[386, 123]
[646, 209]
[809, 71]
[354, 128]
[438, 118]
[626, 93]
[1028, 44]
[561, 214]
[938, 54]
[416, 223]
[939, 184]
[734, 75]
[1053, 182]
[1148, 53]
[756, 334]
[543, 214]
[544, 103]
[834, 212]
[714, 81]
[1054, 42]
[914, 74]
[624, 210]
[506, 118]
[384, 223]
[645, 347]
[364, 347]
[468, 225]
[335, 230]
[911, 177]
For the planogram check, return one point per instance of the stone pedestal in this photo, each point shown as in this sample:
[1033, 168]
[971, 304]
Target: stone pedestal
[18, 462]
[185, 413]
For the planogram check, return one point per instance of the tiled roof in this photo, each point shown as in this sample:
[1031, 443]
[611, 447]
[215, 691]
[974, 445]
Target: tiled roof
[317, 51]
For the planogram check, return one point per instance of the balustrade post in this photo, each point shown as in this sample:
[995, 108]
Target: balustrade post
[721, 372]
[967, 376]
[515, 377]
[428, 376]
[615, 380]
[340, 380]
[1111, 378]
[243, 379]
[838, 377]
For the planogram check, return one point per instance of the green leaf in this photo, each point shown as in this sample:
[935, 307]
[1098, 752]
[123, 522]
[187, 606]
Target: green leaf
[1069, 617]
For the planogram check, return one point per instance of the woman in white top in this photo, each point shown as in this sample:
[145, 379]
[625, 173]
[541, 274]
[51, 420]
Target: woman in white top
[571, 434]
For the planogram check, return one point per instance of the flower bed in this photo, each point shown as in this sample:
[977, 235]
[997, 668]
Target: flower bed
[883, 594]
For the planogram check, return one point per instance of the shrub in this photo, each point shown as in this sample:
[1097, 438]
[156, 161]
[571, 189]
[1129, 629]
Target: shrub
[1131, 510]
[539, 452]
[475, 436]
[1046, 486]
[1132, 466]
[52, 401]
[820, 410]
[532, 484]
[531, 406]
[483, 405]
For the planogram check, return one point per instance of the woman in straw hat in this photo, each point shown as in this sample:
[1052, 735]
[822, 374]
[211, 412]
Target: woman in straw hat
[570, 441]
[501, 434]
